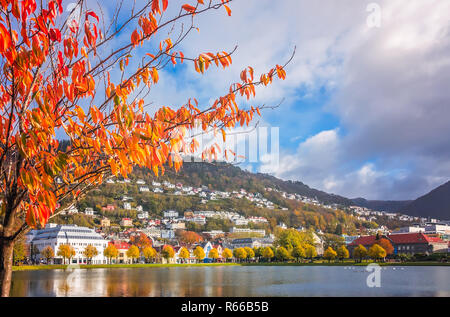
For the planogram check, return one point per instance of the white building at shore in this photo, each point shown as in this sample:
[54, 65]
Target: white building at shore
[79, 238]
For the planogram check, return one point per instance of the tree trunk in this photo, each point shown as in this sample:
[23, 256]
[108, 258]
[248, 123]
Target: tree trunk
[6, 259]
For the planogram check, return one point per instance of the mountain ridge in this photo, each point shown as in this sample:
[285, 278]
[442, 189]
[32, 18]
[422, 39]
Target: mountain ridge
[435, 203]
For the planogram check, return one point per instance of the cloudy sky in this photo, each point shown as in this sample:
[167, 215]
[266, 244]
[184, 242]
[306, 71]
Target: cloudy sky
[366, 102]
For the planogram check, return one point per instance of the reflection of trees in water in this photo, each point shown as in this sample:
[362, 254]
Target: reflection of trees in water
[48, 285]
[19, 287]
[169, 281]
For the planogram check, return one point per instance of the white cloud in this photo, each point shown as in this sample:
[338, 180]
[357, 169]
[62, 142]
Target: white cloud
[389, 87]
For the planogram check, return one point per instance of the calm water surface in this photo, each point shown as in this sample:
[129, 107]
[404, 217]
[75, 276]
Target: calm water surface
[232, 281]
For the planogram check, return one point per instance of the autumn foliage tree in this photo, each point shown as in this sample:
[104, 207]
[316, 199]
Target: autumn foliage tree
[199, 253]
[227, 254]
[167, 252]
[149, 253]
[267, 253]
[133, 253]
[90, 252]
[376, 252]
[184, 254]
[110, 252]
[48, 253]
[189, 237]
[67, 73]
[141, 241]
[329, 254]
[359, 253]
[386, 245]
[342, 253]
[66, 251]
[213, 254]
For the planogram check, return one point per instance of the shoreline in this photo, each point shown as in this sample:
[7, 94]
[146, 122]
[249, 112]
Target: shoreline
[109, 266]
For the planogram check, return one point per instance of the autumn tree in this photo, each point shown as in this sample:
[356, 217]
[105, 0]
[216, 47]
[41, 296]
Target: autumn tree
[360, 252]
[149, 253]
[90, 252]
[141, 241]
[386, 245]
[133, 253]
[213, 254]
[298, 253]
[282, 254]
[250, 253]
[240, 254]
[376, 252]
[65, 251]
[342, 253]
[329, 254]
[290, 238]
[310, 251]
[20, 251]
[167, 252]
[199, 253]
[258, 252]
[189, 237]
[72, 72]
[227, 254]
[267, 253]
[48, 253]
[110, 252]
[184, 254]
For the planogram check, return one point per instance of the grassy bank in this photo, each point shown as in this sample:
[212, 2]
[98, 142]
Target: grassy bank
[317, 263]
[38, 267]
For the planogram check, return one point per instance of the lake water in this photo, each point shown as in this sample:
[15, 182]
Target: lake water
[230, 281]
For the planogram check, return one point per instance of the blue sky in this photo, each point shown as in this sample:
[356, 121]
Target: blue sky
[365, 103]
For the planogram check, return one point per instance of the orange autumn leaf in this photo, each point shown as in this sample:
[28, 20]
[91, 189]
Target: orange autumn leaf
[188, 8]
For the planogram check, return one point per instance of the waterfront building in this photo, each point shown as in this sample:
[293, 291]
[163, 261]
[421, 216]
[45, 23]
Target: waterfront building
[409, 243]
[79, 238]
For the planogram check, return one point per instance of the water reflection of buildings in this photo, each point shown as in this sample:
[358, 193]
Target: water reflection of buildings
[80, 283]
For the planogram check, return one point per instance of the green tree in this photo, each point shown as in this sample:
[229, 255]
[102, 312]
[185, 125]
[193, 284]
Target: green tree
[227, 254]
[48, 253]
[298, 253]
[111, 252]
[282, 254]
[133, 253]
[330, 254]
[90, 252]
[360, 252]
[199, 253]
